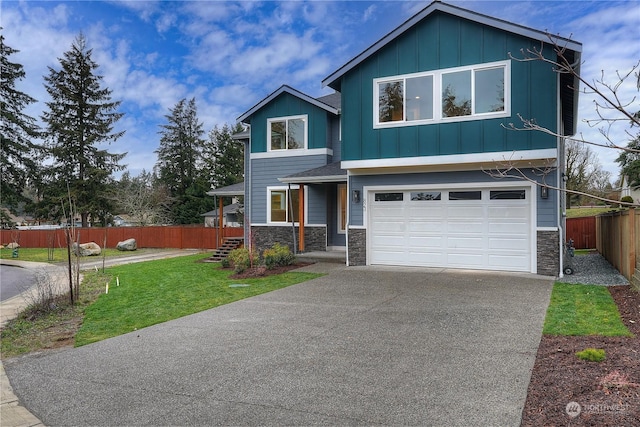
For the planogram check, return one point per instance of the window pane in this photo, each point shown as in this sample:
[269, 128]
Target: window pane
[465, 195]
[278, 132]
[456, 94]
[389, 197]
[426, 195]
[295, 198]
[507, 195]
[489, 96]
[420, 98]
[278, 206]
[390, 101]
[342, 208]
[295, 137]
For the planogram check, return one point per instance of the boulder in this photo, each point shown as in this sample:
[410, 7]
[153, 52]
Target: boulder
[12, 245]
[127, 245]
[86, 249]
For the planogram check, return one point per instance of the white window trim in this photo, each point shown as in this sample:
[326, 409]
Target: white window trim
[339, 210]
[285, 188]
[287, 118]
[437, 95]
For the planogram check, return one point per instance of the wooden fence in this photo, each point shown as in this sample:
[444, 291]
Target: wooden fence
[582, 231]
[618, 239]
[175, 237]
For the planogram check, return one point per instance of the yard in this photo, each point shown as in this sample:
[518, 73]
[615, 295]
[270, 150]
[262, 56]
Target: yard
[607, 392]
[139, 295]
[579, 317]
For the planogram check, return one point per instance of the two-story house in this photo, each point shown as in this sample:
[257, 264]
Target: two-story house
[394, 167]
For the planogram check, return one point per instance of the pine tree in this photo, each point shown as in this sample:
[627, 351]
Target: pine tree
[180, 163]
[224, 156]
[180, 147]
[80, 116]
[19, 155]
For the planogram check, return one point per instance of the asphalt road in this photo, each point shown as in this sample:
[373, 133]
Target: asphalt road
[14, 280]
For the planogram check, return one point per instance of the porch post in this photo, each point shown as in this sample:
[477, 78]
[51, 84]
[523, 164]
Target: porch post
[220, 219]
[301, 216]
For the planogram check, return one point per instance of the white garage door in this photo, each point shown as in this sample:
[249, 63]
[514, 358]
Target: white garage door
[476, 228]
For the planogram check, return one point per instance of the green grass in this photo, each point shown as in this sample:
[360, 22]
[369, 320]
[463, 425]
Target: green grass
[577, 310]
[59, 254]
[157, 291]
[581, 212]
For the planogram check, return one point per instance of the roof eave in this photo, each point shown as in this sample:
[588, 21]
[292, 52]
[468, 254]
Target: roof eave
[246, 117]
[313, 179]
[332, 79]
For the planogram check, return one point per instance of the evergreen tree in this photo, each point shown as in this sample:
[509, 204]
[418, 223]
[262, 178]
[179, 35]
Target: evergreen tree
[80, 116]
[19, 155]
[180, 147]
[629, 161]
[224, 156]
[179, 164]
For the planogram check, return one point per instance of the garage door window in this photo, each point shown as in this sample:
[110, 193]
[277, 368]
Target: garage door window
[426, 195]
[507, 195]
[465, 195]
[389, 197]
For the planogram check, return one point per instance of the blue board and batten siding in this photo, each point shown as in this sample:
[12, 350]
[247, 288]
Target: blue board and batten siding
[319, 130]
[443, 41]
[265, 173]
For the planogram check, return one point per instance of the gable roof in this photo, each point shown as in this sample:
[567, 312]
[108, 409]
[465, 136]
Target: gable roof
[246, 117]
[333, 80]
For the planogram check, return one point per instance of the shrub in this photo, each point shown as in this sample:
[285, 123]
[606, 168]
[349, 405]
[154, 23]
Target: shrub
[278, 255]
[626, 199]
[592, 354]
[241, 259]
[225, 263]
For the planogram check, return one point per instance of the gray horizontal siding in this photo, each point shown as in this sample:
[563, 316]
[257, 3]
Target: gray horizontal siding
[546, 208]
[265, 173]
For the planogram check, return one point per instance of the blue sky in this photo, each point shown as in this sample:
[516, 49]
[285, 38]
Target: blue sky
[230, 55]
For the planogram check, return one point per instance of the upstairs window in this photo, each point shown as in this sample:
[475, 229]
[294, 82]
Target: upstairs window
[463, 93]
[287, 133]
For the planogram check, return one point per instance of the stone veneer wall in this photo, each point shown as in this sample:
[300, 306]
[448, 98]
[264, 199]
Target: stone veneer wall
[548, 253]
[357, 246]
[315, 238]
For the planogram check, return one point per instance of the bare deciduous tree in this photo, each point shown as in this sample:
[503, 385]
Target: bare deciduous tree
[613, 106]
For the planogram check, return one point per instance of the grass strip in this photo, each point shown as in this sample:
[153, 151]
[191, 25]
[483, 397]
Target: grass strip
[60, 254]
[157, 291]
[578, 310]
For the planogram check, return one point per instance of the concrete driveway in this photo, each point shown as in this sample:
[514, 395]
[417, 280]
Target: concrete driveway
[361, 345]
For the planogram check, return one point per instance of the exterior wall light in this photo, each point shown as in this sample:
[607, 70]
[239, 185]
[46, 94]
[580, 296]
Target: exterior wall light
[544, 192]
[355, 196]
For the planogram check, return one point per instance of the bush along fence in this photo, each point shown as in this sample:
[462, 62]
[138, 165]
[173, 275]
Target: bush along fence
[618, 240]
[174, 237]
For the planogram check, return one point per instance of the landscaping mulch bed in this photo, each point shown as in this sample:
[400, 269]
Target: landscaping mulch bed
[606, 393]
[262, 271]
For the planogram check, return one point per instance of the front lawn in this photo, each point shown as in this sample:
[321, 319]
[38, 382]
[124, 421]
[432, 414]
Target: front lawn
[583, 310]
[150, 292]
[158, 291]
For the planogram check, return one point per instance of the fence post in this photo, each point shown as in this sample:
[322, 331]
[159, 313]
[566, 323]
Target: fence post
[633, 234]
